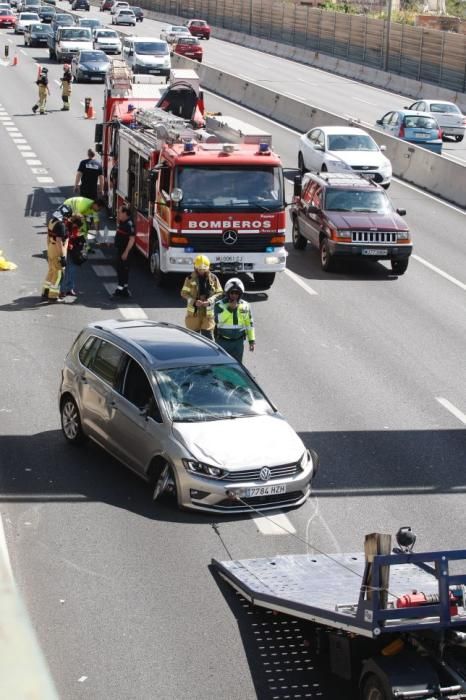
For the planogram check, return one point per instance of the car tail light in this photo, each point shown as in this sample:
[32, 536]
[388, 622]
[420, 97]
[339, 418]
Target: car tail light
[401, 133]
[464, 121]
[439, 134]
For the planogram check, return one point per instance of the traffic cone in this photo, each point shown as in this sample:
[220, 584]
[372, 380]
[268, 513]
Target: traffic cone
[89, 108]
[15, 60]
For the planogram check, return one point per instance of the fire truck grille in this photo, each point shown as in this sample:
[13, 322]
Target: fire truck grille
[374, 236]
[214, 243]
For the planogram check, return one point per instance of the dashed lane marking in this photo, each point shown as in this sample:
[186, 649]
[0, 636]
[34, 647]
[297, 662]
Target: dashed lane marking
[452, 409]
[104, 270]
[23, 147]
[4, 552]
[35, 162]
[300, 282]
[276, 524]
[40, 171]
[440, 272]
[44, 179]
[28, 154]
[129, 311]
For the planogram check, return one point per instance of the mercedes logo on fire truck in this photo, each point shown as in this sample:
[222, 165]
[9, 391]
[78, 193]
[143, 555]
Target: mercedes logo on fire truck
[265, 474]
[230, 237]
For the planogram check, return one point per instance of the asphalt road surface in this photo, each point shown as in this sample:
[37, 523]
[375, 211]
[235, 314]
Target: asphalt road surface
[367, 367]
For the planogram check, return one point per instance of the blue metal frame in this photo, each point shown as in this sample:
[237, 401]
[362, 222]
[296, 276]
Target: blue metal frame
[293, 584]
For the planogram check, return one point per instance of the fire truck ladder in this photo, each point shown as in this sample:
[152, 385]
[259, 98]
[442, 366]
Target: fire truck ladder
[166, 127]
[119, 78]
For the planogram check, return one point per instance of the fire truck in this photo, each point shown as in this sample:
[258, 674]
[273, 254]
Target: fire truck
[216, 190]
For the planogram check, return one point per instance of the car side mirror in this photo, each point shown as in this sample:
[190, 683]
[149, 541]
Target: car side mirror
[379, 121]
[318, 147]
[401, 212]
[383, 148]
[130, 53]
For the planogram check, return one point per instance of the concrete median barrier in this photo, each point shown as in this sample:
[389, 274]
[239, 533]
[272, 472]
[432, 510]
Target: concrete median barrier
[434, 173]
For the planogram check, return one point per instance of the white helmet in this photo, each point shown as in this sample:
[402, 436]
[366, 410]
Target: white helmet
[234, 283]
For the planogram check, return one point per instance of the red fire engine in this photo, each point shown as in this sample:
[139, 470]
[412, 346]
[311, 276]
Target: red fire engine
[216, 190]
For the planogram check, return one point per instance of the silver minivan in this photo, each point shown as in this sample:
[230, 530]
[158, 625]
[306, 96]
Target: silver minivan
[146, 55]
[184, 415]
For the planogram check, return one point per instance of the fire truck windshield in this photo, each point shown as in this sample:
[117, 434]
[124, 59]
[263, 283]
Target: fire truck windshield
[230, 188]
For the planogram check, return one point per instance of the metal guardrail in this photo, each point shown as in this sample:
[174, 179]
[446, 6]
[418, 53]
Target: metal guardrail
[427, 55]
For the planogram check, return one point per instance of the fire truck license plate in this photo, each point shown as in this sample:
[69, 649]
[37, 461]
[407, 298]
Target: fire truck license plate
[374, 251]
[264, 491]
[229, 258]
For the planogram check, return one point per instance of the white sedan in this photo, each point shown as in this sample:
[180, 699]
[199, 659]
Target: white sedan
[343, 149]
[124, 16]
[173, 32]
[24, 20]
[448, 115]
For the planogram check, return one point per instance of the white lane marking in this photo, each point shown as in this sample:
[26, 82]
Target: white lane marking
[366, 102]
[23, 52]
[57, 82]
[453, 410]
[104, 270]
[35, 162]
[130, 312]
[11, 128]
[24, 147]
[18, 140]
[300, 282]
[440, 272]
[44, 179]
[39, 171]
[28, 154]
[294, 131]
[5, 118]
[4, 552]
[276, 524]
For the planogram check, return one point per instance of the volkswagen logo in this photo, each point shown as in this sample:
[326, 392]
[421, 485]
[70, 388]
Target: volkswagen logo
[265, 474]
[230, 237]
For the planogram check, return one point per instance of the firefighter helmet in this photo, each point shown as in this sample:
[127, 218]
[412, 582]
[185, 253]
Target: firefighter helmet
[201, 262]
[234, 284]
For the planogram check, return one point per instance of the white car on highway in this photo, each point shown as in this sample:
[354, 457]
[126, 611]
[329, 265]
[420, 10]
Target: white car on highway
[448, 115]
[107, 40]
[119, 5]
[124, 16]
[172, 32]
[343, 149]
[24, 20]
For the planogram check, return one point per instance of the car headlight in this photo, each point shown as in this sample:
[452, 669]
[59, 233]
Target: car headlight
[386, 168]
[304, 461]
[402, 236]
[166, 61]
[202, 469]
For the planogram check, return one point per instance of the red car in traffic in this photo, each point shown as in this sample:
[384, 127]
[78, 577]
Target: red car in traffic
[199, 28]
[7, 19]
[190, 47]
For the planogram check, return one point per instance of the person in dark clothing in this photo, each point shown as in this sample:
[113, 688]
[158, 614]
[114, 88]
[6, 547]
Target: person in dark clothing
[124, 242]
[89, 181]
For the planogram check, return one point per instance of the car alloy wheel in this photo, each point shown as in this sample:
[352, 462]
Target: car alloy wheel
[165, 483]
[71, 421]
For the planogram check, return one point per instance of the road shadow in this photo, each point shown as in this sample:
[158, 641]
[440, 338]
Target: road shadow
[306, 264]
[38, 202]
[282, 660]
[44, 468]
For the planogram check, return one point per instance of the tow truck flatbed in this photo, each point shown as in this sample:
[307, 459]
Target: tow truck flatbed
[332, 593]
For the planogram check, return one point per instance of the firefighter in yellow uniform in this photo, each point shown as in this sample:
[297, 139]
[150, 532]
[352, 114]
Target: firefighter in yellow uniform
[57, 243]
[66, 81]
[233, 319]
[200, 289]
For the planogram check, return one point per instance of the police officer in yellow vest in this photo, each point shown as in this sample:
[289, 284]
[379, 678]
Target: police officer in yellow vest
[233, 319]
[200, 289]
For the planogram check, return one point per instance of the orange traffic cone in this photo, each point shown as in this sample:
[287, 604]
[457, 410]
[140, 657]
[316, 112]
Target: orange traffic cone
[15, 60]
[89, 108]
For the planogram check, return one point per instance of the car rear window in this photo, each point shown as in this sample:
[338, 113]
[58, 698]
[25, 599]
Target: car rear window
[412, 122]
[444, 107]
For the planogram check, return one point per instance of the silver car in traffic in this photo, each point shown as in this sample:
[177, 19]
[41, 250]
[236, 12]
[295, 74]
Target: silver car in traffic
[184, 415]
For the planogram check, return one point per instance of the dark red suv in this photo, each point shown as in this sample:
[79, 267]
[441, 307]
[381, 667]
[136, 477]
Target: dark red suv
[199, 28]
[347, 215]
